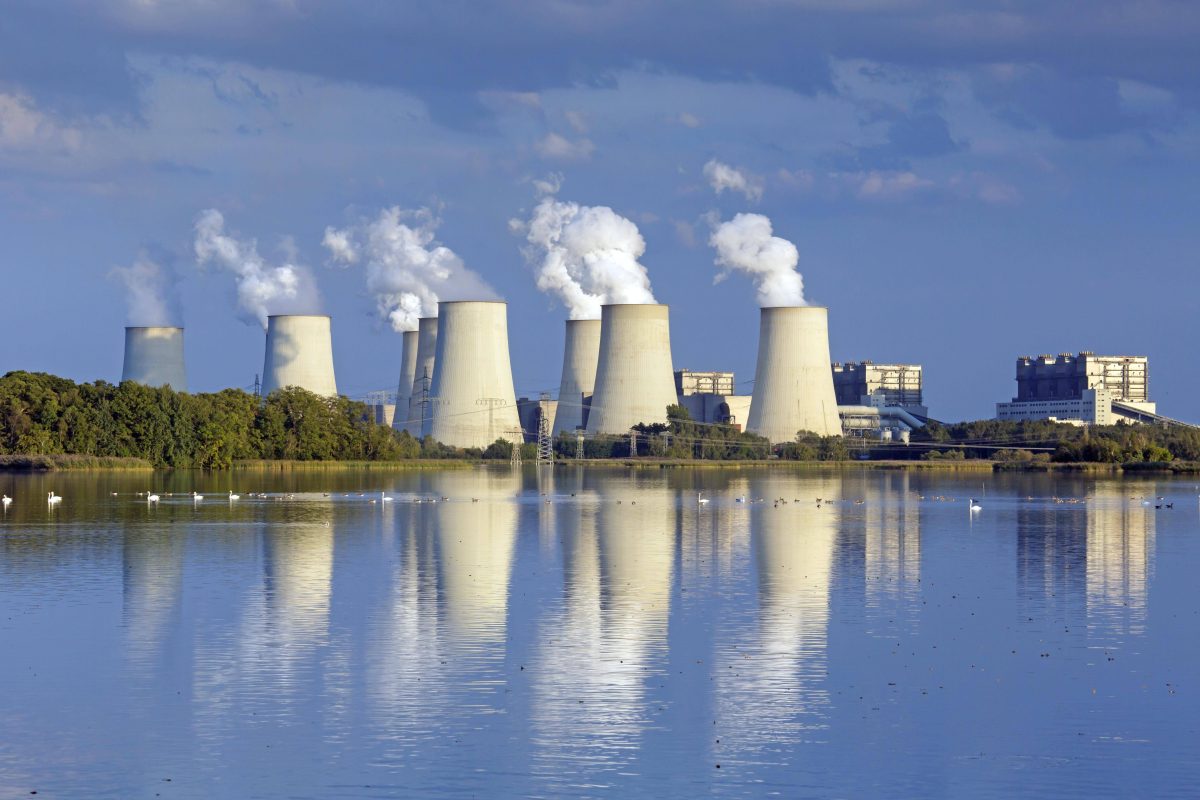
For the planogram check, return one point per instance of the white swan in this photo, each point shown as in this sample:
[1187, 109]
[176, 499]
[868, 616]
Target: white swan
[53, 498]
[197, 497]
[233, 496]
[701, 499]
[384, 498]
[6, 500]
[151, 498]
[975, 506]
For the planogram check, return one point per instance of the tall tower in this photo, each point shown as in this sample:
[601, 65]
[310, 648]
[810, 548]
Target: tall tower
[634, 378]
[474, 403]
[408, 373]
[154, 357]
[793, 381]
[422, 384]
[299, 353]
[580, 357]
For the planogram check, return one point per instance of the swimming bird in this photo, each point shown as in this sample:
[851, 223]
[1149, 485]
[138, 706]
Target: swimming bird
[975, 506]
[384, 498]
[197, 496]
[151, 498]
[6, 500]
[701, 499]
[233, 496]
[52, 498]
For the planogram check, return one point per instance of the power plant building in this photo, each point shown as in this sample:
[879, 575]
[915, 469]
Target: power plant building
[473, 401]
[417, 412]
[154, 357]
[634, 374]
[708, 397]
[1085, 389]
[865, 383]
[581, 357]
[299, 353]
[408, 373]
[793, 385]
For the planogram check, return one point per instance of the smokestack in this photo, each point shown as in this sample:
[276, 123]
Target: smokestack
[473, 399]
[634, 379]
[299, 353]
[580, 357]
[408, 371]
[154, 357]
[421, 387]
[793, 384]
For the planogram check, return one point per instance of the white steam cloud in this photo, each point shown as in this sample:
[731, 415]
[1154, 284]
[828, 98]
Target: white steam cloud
[746, 244]
[151, 292]
[586, 255]
[407, 270]
[722, 176]
[262, 289]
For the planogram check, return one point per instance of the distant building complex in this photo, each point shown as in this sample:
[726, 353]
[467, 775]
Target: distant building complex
[1084, 389]
[709, 397]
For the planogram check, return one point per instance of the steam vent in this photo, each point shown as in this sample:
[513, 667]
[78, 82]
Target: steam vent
[154, 357]
[634, 378]
[299, 353]
[793, 384]
[473, 401]
[580, 357]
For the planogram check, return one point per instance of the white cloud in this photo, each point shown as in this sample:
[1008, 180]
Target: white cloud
[891, 185]
[688, 120]
[556, 146]
[24, 128]
[577, 121]
[721, 176]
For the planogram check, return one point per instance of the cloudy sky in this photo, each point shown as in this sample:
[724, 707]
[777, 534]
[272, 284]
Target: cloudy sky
[964, 182]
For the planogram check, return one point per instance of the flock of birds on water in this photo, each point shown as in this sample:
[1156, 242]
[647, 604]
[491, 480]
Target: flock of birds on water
[973, 505]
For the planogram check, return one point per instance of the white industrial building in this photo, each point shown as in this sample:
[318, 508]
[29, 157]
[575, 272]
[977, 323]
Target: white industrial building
[299, 353]
[1084, 389]
[634, 380]
[709, 397]
[793, 385]
[581, 356]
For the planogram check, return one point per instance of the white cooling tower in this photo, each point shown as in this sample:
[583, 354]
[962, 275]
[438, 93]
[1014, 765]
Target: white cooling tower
[154, 357]
[580, 358]
[299, 353]
[473, 399]
[634, 378]
[422, 382]
[408, 372]
[793, 382]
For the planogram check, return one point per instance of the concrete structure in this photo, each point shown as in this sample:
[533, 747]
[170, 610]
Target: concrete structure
[1085, 389]
[530, 411]
[580, 359]
[634, 376]
[154, 357]
[886, 423]
[408, 373]
[299, 353]
[793, 385]
[689, 382]
[866, 383]
[418, 408]
[473, 402]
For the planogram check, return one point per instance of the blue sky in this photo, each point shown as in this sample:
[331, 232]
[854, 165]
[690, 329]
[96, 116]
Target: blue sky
[965, 182]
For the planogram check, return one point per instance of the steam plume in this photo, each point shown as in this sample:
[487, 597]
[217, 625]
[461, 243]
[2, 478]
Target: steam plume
[586, 255]
[722, 176]
[262, 289]
[151, 293]
[408, 272]
[746, 244]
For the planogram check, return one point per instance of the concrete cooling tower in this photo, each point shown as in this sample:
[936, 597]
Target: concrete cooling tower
[154, 357]
[473, 399]
[422, 382]
[634, 378]
[580, 358]
[793, 383]
[299, 353]
[408, 371]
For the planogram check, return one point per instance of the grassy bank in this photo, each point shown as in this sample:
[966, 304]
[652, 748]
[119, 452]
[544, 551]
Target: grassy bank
[59, 463]
[260, 465]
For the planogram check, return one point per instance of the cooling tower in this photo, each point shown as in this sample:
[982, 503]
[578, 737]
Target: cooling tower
[408, 372]
[579, 373]
[634, 378]
[154, 357]
[793, 383]
[422, 383]
[473, 399]
[299, 353]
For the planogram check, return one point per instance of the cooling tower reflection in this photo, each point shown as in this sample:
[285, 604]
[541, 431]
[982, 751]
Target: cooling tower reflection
[769, 672]
[609, 639]
[152, 577]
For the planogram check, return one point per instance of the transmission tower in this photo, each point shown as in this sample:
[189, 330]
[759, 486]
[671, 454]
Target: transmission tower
[545, 451]
[257, 386]
[515, 458]
[579, 444]
[632, 444]
[425, 382]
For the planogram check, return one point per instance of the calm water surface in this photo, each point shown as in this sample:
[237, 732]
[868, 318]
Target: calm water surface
[599, 633]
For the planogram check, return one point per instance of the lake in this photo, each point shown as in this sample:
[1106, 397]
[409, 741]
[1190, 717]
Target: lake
[599, 632]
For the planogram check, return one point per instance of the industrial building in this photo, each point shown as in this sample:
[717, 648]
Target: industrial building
[865, 383]
[154, 357]
[417, 410]
[408, 373]
[473, 402]
[793, 385]
[709, 397]
[299, 353]
[531, 413]
[634, 380]
[1085, 389]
